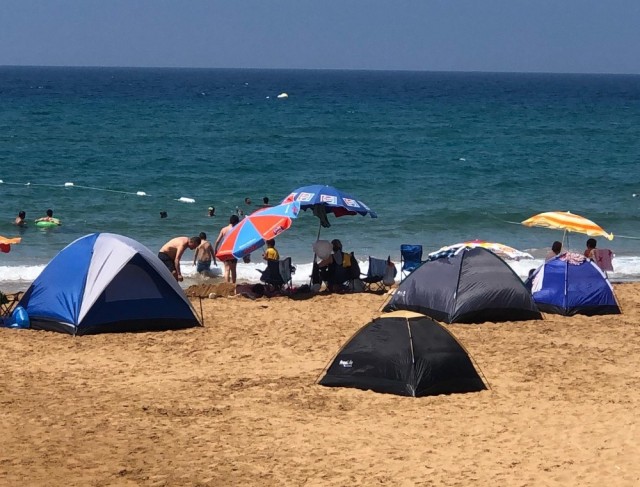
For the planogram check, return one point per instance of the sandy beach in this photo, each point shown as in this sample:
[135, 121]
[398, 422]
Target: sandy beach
[235, 403]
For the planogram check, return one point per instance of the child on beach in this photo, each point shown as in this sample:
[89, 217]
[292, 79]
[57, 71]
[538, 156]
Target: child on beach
[590, 251]
[203, 255]
[271, 253]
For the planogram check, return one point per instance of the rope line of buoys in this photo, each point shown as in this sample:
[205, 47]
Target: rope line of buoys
[181, 199]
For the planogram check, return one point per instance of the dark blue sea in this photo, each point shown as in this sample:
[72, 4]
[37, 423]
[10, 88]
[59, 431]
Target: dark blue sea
[441, 157]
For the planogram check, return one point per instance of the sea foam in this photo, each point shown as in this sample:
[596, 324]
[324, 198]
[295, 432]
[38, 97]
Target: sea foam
[18, 278]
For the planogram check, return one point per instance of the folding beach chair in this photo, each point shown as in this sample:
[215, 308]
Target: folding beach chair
[338, 277]
[8, 302]
[286, 272]
[278, 274]
[375, 277]
[410, 259]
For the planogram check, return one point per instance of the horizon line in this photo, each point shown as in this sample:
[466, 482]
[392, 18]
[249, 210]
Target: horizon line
[73, 66]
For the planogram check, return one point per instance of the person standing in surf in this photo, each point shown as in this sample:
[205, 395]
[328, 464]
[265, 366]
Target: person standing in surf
[231, 264]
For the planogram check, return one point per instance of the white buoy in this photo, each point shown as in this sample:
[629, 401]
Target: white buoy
[141, 193]
[283, 95]
[66, 185]
[186, 200]
[1, 181]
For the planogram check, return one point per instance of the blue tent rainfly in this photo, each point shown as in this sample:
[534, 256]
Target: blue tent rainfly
[105, 282]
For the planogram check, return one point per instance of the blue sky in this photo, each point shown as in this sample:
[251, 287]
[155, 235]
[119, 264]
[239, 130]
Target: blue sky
[583, 36]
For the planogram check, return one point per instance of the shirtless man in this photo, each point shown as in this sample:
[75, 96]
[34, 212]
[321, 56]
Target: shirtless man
[171, 252]
[203, 255]
[48, 218]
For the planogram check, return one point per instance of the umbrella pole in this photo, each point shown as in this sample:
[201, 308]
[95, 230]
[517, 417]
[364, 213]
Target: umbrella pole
[313, 262]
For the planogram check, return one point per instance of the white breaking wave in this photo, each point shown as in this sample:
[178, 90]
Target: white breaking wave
[20, 273]
[13, 278]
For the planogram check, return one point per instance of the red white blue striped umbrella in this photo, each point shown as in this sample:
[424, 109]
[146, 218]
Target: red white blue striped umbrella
[252, 231]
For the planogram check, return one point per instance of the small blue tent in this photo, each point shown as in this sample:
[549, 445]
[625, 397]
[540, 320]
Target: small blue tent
[570, 286]
[106, 283]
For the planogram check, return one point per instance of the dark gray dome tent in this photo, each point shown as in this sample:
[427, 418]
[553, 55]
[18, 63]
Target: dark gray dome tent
[404, 353]
[472, 285]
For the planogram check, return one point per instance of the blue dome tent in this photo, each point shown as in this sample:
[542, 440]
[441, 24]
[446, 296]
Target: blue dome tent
[567, 286]
[103, 283]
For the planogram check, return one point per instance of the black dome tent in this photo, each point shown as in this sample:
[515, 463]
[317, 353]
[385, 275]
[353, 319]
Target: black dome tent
[472, 285]
[404, 353]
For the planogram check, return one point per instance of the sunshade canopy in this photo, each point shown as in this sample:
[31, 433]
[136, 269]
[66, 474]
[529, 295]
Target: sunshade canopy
[570, 222]
[253, 230]
[331, 199]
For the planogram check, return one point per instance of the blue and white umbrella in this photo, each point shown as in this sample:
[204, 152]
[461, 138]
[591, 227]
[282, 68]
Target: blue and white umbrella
[327, 199]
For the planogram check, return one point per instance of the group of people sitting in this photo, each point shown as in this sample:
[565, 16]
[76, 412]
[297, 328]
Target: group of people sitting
[335, 267]
[602, 257]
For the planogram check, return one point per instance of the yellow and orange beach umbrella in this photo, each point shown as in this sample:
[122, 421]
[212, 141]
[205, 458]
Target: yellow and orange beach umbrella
[567, 221]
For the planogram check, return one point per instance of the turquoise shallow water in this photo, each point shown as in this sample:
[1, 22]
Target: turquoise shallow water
[441, 157]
